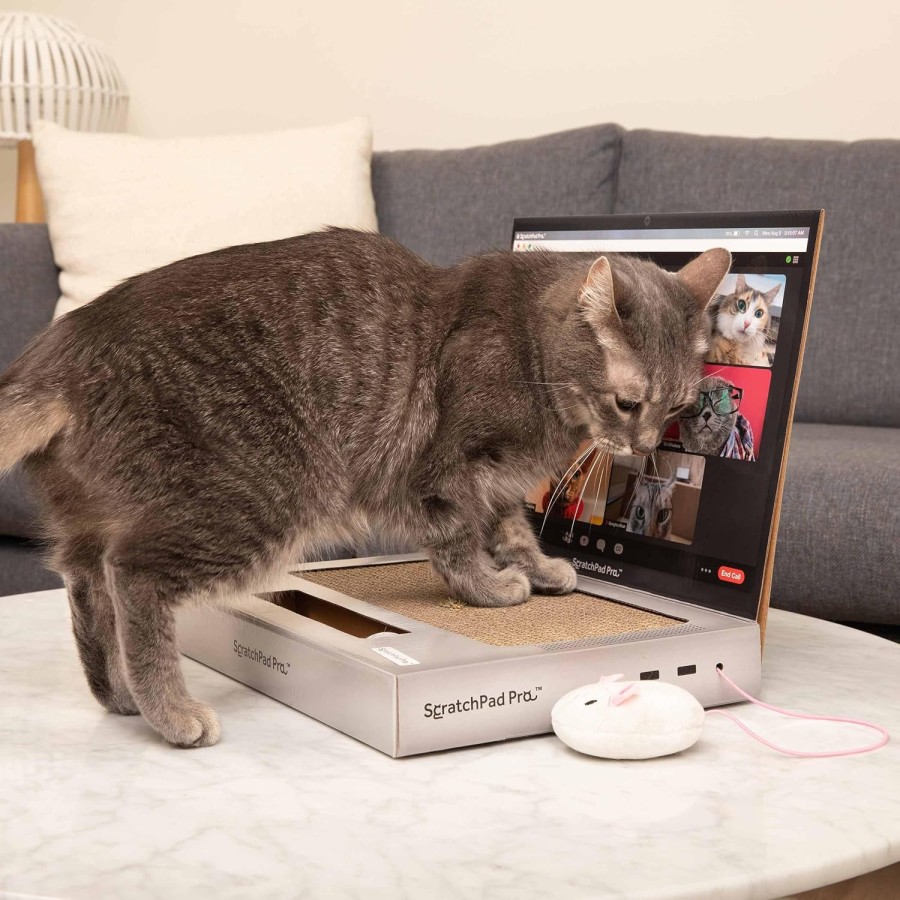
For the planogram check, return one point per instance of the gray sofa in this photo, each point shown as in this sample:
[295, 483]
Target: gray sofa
[839, 543]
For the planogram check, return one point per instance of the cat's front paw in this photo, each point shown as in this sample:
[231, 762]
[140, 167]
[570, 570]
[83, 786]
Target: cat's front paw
[188, 724]
[508, 587]
[552, 576]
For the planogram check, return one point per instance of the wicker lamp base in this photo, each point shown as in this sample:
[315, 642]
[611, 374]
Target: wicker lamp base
[29, 199]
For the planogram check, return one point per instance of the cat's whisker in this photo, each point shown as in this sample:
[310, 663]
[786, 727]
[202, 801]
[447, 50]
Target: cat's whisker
[570, 471]
[563, 481]
[606, 446]
[579, 463]
[604, 475]
[558, 408]
[599, 461]
[553, 385]
[708, 375]
[583, 489]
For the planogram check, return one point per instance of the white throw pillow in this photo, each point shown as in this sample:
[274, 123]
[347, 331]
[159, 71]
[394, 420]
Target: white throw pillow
[118, 204]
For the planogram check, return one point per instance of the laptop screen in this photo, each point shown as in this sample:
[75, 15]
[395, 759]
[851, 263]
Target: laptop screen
[693, 520]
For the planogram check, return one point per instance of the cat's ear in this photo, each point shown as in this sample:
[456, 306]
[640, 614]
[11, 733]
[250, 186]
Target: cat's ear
[597, 298]
[740, 284]
[701, 276]
[769, 296]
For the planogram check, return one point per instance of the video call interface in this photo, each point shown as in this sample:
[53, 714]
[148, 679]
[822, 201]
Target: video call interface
[692, 520]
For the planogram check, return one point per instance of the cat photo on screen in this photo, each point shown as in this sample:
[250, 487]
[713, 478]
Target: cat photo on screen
[657, 497]
[713, 424]
[566, 503]
[727, 417]
[650, 509]
[745, 314]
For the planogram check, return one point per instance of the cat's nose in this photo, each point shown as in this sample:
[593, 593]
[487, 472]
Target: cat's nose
[642, 449]
[706, 415]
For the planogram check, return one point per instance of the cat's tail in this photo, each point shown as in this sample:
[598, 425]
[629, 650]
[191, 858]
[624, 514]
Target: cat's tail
[32, 413]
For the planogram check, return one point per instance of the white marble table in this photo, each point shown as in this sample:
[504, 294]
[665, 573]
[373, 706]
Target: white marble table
[94, 805]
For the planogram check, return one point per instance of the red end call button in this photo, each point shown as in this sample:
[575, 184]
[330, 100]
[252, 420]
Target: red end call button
[732, 576]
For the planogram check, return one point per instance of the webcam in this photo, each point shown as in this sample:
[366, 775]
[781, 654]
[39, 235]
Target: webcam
[646, 220]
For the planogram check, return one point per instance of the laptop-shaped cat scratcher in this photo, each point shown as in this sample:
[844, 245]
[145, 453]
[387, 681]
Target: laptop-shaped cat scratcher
[674, 567]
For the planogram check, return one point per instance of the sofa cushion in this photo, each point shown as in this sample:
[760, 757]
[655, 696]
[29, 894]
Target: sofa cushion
[448, 204]
[18, 511]
[28, 287]
[850, 374]
[28, 295]
[22, 568]
[839, 542]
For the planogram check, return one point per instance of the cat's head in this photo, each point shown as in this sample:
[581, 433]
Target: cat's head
[650, 509]
[707, 423]
[743, 315]
[634, 346]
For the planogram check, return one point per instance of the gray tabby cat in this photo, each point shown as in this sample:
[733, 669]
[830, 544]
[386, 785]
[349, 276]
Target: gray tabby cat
[205, 424]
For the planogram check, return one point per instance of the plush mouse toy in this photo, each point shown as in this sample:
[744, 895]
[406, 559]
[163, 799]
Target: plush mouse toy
[618, 719]
[628, 719]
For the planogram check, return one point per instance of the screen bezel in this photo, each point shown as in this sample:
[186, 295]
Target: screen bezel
[752, 602]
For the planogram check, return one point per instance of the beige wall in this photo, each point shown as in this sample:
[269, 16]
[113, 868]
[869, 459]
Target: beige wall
[475, 71]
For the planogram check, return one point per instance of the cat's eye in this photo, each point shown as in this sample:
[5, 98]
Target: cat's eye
[639, 513]
[742, 305]
[626, 405]
[662, 516]
[758, 314]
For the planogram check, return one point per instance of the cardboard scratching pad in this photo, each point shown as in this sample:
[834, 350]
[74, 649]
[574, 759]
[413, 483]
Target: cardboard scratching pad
[415, 590]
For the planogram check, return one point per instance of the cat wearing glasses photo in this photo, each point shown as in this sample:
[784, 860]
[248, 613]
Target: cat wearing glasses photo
[712, 424]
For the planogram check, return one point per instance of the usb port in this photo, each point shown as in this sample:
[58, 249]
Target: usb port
[650, 676]
[687, 670]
